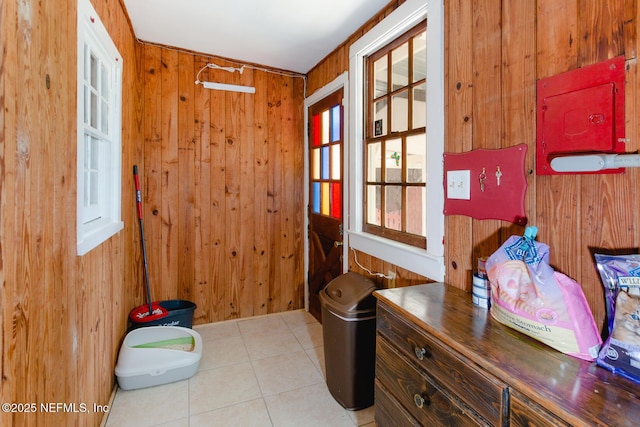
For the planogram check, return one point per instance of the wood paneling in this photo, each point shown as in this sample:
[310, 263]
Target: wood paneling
[223, 180]
[495, 51]
[62, 315]
[223, 176]
[359, 261]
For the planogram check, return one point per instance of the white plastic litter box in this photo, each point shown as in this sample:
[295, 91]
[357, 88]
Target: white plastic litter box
[158, 355]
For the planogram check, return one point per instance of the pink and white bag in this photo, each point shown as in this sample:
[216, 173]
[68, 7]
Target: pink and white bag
[528, 295]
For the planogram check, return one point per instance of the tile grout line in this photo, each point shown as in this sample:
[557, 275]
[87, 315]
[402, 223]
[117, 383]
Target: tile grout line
[253, 369]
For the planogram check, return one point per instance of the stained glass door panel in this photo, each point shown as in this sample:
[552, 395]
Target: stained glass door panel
[325, 195]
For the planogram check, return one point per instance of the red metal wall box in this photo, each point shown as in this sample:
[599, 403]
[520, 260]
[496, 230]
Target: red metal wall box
[580, 111]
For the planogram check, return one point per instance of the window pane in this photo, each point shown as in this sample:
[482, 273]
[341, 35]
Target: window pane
[94, 162]
[400, 112]
[416, 158]
[87, 188]
[374, 162]
[92, 170]
[104, 75]
[315, 197]
[93, 67]
[325, 127]
[94, 192]
[87, 64]
[393, 161]
[336, 200]
[325, 198]
[104, 117]
[420, 57]
[335, 124]
[316, 130]
[393, 207]
[419, 112]
[87, 104]
[380, 76]
[415, 205]
[87, 174]
[400, 66]
[380, 118]
[324, 160]
[93, 111]
[373, 204]
[315, 163]
[335, 162]
[87, 151]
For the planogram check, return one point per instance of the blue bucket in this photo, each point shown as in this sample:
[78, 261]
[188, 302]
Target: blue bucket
[179, 313]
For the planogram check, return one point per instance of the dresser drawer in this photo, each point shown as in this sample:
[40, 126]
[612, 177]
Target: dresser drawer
[427, 402]
[479, 391]
[389, 412]
[526, 413]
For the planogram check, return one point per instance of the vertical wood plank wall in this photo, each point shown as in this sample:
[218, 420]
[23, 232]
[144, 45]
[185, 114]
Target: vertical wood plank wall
[495, 51]
[223, 180]
[62, 316]
[222, 176]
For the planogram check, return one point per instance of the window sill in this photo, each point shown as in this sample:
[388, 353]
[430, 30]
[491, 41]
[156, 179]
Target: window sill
[416, 260]
[94, 238]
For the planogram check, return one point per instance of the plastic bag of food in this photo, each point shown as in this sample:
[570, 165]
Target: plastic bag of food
[620, 275]
[528, 295]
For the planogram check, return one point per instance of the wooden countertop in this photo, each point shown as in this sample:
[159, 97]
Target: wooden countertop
[574, 389]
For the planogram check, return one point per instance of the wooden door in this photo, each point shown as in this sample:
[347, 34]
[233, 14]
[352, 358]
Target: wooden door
[325, 195]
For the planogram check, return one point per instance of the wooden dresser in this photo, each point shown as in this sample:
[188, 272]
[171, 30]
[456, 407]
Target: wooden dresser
[440, 360]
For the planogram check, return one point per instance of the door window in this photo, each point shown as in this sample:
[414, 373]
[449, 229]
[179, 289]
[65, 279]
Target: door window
[326, 159]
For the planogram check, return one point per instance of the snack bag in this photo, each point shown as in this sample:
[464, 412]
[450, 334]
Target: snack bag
[529, 296]
[620, 275]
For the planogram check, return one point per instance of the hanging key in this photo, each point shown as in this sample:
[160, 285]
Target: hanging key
[482, 178]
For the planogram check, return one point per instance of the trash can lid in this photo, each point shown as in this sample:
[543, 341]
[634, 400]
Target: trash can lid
[349, 293]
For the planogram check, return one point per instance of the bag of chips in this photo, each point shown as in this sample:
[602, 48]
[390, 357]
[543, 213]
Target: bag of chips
[527, 294]
[620, 276]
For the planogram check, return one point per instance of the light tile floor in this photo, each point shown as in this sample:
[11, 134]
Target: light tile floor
[261, 371]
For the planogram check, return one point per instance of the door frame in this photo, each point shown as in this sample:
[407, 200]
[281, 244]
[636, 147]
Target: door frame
[340, 82]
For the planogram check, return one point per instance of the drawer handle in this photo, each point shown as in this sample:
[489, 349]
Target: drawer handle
[421, 353]
[421, 400]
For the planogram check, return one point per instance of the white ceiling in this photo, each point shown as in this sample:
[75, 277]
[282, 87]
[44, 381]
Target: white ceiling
[292, 35]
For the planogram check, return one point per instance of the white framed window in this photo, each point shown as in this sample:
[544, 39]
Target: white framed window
[427, 261]
[395, 139]
[99, 138]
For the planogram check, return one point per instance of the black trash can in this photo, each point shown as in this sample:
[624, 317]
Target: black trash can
[349, 333]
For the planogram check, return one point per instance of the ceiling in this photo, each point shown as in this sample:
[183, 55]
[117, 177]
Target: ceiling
[292, 35]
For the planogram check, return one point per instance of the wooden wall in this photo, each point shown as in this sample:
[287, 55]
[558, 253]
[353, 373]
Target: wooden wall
[62, 316]
[222, 180]
[495, 51]
[359, 261]
[223, 187]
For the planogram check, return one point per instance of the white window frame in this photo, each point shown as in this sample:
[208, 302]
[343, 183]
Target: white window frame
[95, 224]
[429, 262]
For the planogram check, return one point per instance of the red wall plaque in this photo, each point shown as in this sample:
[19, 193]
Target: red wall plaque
[496, 187]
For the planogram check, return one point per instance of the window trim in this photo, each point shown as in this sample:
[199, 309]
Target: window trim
[429, 262]
[91, 31]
